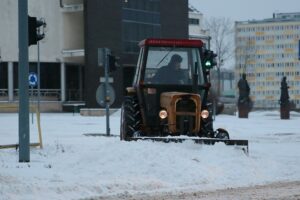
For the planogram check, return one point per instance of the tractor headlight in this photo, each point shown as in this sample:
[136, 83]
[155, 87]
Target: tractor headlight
[204, 114]
[163, 114]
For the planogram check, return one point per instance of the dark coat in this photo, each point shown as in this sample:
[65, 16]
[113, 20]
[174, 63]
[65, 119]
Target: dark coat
[284, 97]
[169, 75]
[244, 90]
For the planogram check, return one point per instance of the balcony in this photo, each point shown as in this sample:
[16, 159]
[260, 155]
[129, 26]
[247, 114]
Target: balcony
[71, 6]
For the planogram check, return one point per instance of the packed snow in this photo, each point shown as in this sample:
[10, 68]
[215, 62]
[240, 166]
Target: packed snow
[72, 165]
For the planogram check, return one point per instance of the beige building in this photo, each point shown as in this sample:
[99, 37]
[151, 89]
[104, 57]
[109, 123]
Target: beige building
[61, 52]
[267, 50]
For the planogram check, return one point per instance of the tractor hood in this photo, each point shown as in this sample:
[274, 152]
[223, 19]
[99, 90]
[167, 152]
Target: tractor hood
[183, 111]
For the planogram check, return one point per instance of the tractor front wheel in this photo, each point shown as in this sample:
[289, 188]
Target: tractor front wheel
[130, 118]
[222, 134]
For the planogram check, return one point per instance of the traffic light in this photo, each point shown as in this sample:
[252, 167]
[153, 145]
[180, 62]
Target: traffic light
[209, 59]
[113, 62]
[34, 34]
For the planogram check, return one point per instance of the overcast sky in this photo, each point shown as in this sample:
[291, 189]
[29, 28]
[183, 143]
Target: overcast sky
[243, 10]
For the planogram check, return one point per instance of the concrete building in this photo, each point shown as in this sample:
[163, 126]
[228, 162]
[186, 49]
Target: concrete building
[267, 50]
[196, 25]
[197, 31]
[61, 53]
[75, 30]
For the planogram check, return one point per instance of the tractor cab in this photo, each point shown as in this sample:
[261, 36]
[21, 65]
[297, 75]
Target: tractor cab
[170, 88]
[172, 62]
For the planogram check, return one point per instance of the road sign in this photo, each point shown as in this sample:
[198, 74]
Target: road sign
[110, 79]
[32, 78]
[109, 98]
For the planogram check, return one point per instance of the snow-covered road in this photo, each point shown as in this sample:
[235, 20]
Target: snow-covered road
[274, 191]
[74, 166]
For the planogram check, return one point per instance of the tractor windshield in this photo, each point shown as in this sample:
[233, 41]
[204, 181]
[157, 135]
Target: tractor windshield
[174, 66]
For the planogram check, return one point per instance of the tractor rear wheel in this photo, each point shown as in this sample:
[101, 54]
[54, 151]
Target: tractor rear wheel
[130, 118]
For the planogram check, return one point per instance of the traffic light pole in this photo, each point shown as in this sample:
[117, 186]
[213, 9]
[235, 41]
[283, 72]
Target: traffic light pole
[24, 154]
[106, 95]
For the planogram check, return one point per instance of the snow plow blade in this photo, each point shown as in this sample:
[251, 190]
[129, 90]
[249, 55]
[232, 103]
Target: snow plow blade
[243, 144]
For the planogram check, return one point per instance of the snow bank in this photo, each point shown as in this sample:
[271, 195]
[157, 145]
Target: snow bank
[73, 166]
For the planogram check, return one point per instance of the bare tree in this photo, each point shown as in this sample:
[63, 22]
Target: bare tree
[221, 31]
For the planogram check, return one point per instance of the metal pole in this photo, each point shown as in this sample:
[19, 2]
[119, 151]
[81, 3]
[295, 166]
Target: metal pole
[38, 75]
[24, 154]
[219, 80]
[62, 82]
[31, 103]
[105, 94]
[10, 82]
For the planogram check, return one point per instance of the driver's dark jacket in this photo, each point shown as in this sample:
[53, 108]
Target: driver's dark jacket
[169, 75]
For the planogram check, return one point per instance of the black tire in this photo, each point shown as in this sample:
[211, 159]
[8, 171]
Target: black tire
[130, 118]
[222, 134]
[207, 129]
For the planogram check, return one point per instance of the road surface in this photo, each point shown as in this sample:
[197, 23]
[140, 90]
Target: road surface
[274, 191]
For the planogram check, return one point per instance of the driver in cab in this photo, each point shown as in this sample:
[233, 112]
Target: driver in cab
[171, 73]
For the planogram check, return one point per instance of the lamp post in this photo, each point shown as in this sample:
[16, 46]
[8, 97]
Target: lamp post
[220, 63]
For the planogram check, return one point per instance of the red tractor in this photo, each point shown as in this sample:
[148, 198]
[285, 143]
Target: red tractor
[169, 94]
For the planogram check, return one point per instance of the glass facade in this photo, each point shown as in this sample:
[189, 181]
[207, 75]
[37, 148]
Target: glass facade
[140, 20]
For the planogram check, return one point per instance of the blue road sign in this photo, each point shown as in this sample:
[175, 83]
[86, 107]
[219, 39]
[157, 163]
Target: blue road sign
[32, 78]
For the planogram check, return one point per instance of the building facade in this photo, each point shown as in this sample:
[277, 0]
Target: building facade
[75, 30]
[197, 31]
[267, 50]
[120, 25]
[196, 25]
[61, 53]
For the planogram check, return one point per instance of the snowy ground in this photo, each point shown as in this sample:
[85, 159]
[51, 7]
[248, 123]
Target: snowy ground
[74, 166]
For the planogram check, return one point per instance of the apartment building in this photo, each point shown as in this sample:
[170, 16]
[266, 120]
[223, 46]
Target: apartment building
[267, 50]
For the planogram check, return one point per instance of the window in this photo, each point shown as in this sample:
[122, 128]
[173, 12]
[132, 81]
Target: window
[141, 19]
[194, 21]
[159, 66]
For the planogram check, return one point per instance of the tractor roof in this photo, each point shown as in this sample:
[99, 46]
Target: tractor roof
[171, 42]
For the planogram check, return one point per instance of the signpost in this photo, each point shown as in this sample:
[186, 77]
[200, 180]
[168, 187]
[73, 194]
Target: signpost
[33, 80]
[107, 96]
[105, 93]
